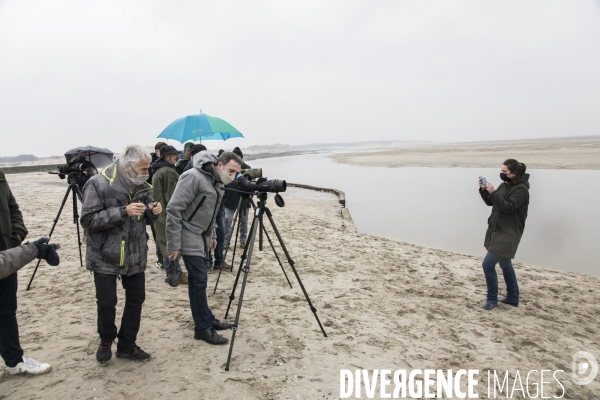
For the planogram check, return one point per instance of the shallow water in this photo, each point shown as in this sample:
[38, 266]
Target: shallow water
[441, 207]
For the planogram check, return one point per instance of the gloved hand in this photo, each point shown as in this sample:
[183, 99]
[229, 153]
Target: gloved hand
[47, 251]
[172, 274]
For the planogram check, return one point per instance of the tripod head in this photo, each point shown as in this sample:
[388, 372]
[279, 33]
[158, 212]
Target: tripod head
[72, 177]
[262, 196]
[262, 199]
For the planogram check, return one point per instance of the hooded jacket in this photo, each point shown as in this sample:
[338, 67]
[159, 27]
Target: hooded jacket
[193, 208]
[509, 202]
[117, 243]
[164, 182]
[150, 172]
[11, 219]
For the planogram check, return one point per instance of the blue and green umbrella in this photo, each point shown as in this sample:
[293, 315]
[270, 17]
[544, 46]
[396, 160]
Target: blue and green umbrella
[199, 127]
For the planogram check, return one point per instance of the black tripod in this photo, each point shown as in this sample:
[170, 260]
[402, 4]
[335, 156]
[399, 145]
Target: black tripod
[259, 211]
[74, 188]
[238, 217]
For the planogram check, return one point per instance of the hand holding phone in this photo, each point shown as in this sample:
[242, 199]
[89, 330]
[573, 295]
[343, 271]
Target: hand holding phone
[482, 179]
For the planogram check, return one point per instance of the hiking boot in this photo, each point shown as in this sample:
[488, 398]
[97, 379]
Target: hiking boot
[134, 353]
[183, 279]
[104, 353]
[29, 366]
[211, 336]
[489, 305]
[221, 326]
[512, 303]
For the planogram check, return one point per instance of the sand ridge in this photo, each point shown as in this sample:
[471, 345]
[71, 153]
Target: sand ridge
[560, 153]
[383, 303]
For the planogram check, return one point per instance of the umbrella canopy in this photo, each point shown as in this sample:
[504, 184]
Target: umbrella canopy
[199, 127]
[98, 156]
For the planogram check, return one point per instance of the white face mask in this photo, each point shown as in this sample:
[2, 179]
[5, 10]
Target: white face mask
[225, 177]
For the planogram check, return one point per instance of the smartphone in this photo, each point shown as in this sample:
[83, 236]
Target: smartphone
[483, 181]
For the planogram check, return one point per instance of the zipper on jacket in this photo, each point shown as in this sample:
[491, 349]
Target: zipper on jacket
[197, 207]
[216, 207]
[122, 253]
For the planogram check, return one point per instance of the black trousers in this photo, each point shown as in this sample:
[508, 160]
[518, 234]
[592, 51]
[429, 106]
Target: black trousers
[106, 299]
[10, 347]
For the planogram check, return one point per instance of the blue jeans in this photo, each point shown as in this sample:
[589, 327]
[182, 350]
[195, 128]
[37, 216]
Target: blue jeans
[166, 265]
[491, 278]
[230, 229]
[220, 241]
[197, 278]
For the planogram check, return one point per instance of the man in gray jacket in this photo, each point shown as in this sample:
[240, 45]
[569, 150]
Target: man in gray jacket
[117, 206]
[191, 231]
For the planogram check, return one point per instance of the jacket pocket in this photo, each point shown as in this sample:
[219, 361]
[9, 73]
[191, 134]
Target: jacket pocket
[506, 226]
[197, 208]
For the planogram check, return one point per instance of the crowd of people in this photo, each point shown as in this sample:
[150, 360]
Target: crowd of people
[186, 203]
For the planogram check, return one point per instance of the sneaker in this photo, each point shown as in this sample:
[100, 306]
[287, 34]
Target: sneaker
[29, 366]
[211, 336]
[134, 353]
[183, 279]
[104, 352]
[243, 245]
[160, 265]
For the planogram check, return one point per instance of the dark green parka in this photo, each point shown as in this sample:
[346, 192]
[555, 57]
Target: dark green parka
[507, 222]
[164, 182]
[11, 219]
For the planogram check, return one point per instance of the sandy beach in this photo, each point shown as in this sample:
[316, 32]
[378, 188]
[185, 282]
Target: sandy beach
[559, 153]
[384, 304]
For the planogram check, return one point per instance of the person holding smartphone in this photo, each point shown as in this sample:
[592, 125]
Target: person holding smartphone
[509, 202]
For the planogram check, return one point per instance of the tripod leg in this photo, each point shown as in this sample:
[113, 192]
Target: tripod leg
[237, 278]
[263, 228]
[249, 248]
[260, 234]
[239, 222]
[62, 205]
[276, 255]
[291, 262]
[76, 192]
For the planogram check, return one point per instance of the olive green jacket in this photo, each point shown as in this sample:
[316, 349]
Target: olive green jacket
[164, 182]
[506, 224]
[11, 219]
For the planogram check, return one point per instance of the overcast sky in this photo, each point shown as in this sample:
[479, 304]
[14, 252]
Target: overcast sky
[113, 73]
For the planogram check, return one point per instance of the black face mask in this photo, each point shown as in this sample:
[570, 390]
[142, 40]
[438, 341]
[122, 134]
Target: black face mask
[82, 158]
[504, 177]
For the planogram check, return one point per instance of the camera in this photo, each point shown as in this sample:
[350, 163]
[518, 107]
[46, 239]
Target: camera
[71, 169]
[66, 169]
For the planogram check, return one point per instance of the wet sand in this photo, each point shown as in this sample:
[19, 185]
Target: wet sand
[384, 304]
[567, 153]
